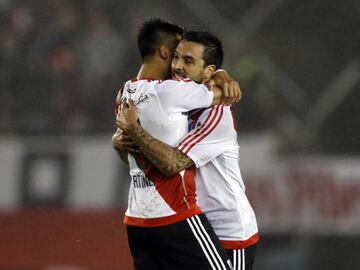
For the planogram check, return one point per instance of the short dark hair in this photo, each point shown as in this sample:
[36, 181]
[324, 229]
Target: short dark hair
[155, 32]
[213, 52]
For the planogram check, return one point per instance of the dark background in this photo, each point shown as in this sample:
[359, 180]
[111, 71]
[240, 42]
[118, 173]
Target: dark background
[62, 63]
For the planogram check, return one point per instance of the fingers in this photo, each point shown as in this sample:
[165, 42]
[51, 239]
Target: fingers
[119, 111]
[238, 91]
[126, 115]
[228, 92]
[124, 106]
[121, 132]
[232, 97]
[118, 132]
[120, 120]
[120, 135]
[118, 123]
[124, 143]
[126, 146]
[224, 85]
[121, 125]
[122, 138]
[234, 93]
[126, 138]
[131, 150]
[210, 84]
[127, 105]
[231, 92]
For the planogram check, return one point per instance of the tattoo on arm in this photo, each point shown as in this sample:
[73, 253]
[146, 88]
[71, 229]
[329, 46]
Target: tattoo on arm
[167, 159]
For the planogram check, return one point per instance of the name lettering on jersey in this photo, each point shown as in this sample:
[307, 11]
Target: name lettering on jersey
[142, 98]
[141, 181]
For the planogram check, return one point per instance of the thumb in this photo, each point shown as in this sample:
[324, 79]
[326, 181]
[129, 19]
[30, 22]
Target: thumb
[131, 103]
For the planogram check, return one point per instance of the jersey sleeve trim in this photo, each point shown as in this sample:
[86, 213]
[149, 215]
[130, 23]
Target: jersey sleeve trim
[118, 99]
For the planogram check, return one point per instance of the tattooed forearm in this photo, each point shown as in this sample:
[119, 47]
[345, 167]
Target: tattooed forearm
[167, 159]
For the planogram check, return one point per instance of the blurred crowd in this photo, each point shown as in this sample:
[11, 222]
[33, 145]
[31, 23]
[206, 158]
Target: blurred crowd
[61, 64]
[63, 61]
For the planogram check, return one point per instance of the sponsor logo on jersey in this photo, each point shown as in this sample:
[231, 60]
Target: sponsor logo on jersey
[142, 98]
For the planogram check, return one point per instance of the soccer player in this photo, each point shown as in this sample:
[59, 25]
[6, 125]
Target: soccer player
[212, 146]
[166, 228]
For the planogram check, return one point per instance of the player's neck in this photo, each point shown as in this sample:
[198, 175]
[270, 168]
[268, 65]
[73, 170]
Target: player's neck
[152, 70]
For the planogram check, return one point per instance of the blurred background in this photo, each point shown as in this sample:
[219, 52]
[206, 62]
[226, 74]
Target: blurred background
[63, 190]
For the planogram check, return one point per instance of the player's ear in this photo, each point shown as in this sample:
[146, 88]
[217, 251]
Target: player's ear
[208, 72]
[164, 52]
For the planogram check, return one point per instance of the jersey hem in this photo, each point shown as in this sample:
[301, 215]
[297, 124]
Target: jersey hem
[162, 221]
[239, 244]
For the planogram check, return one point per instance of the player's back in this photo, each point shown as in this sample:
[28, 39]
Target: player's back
[155, 199]
[162, 123]
[213, 147]
[221, 196]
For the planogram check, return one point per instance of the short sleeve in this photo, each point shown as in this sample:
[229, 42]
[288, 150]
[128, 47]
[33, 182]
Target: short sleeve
[183, 96]
[118, 100]
[213, 134]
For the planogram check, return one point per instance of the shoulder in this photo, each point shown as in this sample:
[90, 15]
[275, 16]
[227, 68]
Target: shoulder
[121, 90]
[176, 82]
[179, 85]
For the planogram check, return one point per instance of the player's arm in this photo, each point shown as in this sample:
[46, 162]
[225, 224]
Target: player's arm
[226, 90]
[123, 145]
[167, 159]
[117, 143]
[187, 95]
[120, 141]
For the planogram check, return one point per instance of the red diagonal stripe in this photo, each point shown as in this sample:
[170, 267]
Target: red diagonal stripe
[206, 134]
[208, 121]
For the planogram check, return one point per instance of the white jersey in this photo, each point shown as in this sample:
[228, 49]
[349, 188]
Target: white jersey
[154, 199]
[212, 145]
